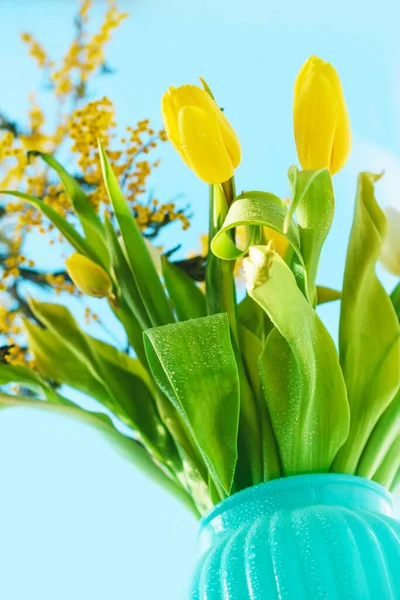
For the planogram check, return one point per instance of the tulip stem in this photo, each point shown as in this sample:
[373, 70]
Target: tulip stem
[220, 282]
[221, 297]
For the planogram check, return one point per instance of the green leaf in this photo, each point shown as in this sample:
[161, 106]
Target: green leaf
[396, 482]
[382, 438]
[302, 381]
[395, 298]
[326, 294]
[387, 472]
[252, 348]
[88, 364]
[254, 318]
[256, 210]
[194, 364]
[313, 201]
[253, 209]
[29, 379]
[187, 298]
[128, 447]
[369, 335]
[90, 221]
[67, 230]
[140, 261]
[125, 278]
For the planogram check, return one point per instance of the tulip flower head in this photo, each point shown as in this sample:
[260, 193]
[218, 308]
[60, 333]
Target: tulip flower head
[200, 133]
[390, 256]
[321, 121]
[89, 278]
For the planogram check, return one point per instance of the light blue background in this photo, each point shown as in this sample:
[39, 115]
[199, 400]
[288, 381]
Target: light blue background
[76, 520]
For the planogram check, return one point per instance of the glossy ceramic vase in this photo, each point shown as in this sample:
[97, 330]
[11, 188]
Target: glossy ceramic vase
[309, 537]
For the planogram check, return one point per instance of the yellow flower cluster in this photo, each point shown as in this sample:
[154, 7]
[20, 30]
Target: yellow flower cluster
[36, 50]
[78, 126]
[96, 121]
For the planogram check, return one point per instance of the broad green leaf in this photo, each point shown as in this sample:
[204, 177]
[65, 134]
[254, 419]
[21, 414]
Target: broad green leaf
[90, 220]
[382, 438]
[194, 364]
[302, 381]
[253, 209]
[313, 201]
[369, 334]
[395, 298]
[140, 261]
[127, 387]
[187, 298]
[128, 447]
[29, 379]
[252, 348]
[326, 294]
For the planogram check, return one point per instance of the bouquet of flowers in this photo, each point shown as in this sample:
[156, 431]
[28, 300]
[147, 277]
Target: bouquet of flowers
[219, 395]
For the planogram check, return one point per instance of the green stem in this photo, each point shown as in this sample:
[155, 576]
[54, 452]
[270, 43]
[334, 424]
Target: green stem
[221, 297]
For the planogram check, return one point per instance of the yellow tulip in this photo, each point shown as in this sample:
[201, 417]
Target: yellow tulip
[89, 277]
[390, 256]
[321, 121]
[280, 242]
[200, 133]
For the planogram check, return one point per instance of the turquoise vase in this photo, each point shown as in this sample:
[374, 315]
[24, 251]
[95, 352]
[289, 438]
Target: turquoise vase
[308, 537]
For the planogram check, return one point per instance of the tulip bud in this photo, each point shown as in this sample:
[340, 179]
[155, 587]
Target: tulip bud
[91, 279]
[321, 121]
[390, 255]
[200, 133]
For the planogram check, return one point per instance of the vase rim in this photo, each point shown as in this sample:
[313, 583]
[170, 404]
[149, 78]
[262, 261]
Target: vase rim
[294, 481]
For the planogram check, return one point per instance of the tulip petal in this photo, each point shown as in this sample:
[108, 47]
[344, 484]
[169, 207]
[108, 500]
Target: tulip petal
[341, 143]
[203, 146]
[281, 243]
[170, 120]
[321, 121]
[315, 116]
[191, 95]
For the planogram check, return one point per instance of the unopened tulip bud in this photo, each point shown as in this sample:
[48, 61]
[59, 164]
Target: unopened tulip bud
[200, 133]
[321, 121]
[89, 278]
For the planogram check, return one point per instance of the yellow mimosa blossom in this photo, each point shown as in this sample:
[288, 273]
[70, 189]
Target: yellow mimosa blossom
[89, 277]
[321, 121]
[390, 257]
[201, 133]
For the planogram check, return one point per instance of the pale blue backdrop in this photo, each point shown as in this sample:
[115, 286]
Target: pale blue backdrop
[76, 520]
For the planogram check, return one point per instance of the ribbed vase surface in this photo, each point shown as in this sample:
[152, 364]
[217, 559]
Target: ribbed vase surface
[309, 537]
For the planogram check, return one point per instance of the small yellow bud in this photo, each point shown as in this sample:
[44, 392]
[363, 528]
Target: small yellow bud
[89, 277]
[390, 256]
[200, 133]
[321, 121]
